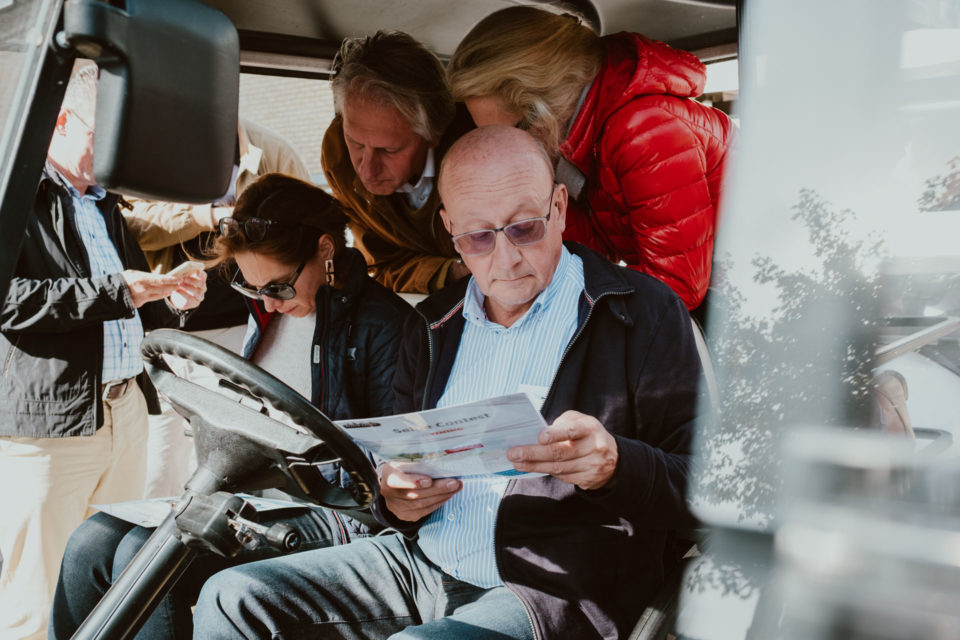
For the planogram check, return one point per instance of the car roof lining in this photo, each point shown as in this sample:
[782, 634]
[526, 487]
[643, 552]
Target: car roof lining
[315, 28]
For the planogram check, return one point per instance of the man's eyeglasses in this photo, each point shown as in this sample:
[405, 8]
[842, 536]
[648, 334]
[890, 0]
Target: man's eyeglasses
[275, 290]
[255, 229]
[520, 233]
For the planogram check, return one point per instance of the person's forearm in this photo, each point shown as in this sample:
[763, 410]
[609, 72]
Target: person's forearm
[64, 304]
[158, 225]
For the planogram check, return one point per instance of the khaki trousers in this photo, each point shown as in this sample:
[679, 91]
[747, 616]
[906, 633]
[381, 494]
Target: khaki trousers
[46, 488]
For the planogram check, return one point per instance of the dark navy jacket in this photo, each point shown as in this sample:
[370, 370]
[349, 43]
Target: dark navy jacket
[584, 563]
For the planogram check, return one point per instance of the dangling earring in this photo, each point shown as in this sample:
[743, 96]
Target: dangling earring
[328, 266]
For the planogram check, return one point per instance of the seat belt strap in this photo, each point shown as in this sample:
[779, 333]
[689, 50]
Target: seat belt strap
[571, 177]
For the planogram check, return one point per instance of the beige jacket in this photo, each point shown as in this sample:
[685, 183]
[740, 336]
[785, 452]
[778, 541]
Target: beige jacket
[160, 226]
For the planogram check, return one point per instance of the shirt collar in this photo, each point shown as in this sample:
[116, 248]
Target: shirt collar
[473, 303]
[250, 154]
[94, 191]
[250, 160]
[418, 193]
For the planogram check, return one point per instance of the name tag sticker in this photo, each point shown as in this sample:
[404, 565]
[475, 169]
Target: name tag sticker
[537, 395]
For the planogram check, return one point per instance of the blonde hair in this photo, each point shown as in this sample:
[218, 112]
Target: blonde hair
[536, 62]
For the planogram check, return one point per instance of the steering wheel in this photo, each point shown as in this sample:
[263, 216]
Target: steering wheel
[241, 446]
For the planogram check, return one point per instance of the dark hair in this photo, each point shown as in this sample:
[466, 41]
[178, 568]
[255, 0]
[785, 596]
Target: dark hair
[393, 69]
[310, 210]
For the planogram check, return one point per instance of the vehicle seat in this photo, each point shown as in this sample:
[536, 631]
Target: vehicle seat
[659, 618]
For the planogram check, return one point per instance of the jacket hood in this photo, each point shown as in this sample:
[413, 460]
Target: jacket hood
[635, 65]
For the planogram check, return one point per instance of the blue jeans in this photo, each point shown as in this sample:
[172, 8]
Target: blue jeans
[101, 547]
[381, 587]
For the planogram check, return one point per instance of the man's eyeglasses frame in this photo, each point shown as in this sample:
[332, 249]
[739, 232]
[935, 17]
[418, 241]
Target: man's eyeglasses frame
[505, 229]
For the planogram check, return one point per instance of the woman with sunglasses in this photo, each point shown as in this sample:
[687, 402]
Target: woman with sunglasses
[319, 323]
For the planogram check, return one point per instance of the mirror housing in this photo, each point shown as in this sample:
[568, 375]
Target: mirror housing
[166, 122]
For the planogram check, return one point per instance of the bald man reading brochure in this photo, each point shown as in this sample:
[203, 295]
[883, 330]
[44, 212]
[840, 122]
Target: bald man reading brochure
[574, 553]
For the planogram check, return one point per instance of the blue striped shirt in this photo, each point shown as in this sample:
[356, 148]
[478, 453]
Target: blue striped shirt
[491, 361]
[121, 338]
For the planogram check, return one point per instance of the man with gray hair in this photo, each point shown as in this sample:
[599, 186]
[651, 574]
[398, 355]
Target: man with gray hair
[394, 122]
[574, 551]
[75, 420]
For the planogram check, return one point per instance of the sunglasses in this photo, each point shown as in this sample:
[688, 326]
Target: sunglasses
[520, 234]
[255, 229]
[275, 290]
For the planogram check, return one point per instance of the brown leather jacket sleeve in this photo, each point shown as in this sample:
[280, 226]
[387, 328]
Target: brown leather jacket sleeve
[407, 251]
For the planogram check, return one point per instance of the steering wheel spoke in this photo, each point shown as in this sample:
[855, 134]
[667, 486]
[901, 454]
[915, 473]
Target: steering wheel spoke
[254, 424]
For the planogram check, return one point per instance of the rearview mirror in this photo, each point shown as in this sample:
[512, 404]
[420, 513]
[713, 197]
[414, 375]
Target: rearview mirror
[166, 123]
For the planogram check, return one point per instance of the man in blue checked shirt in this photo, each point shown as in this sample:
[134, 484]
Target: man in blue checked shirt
[74, 425]
[575, 553]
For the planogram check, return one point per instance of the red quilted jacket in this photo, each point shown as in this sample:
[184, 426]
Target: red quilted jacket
[653, 160]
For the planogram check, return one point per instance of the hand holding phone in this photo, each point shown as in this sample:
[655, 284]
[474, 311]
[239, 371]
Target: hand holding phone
[185, 269]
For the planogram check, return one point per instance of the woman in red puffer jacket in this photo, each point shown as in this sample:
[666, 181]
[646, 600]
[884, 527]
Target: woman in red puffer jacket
[642, 161]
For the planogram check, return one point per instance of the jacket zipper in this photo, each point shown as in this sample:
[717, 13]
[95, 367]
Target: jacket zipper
[431, 370]
[10, 354]
[343, 533]
[496, 559]
[324, 347]
[576, 337]
[82, 272]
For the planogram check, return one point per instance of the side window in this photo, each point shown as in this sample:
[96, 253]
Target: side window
[299, 109]
[723, 86]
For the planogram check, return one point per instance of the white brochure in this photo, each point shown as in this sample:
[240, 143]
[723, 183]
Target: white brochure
[150, 512]
[462, 440]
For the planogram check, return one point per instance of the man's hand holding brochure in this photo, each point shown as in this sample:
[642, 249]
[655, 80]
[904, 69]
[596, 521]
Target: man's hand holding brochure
[457, 441]
[426, 452]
